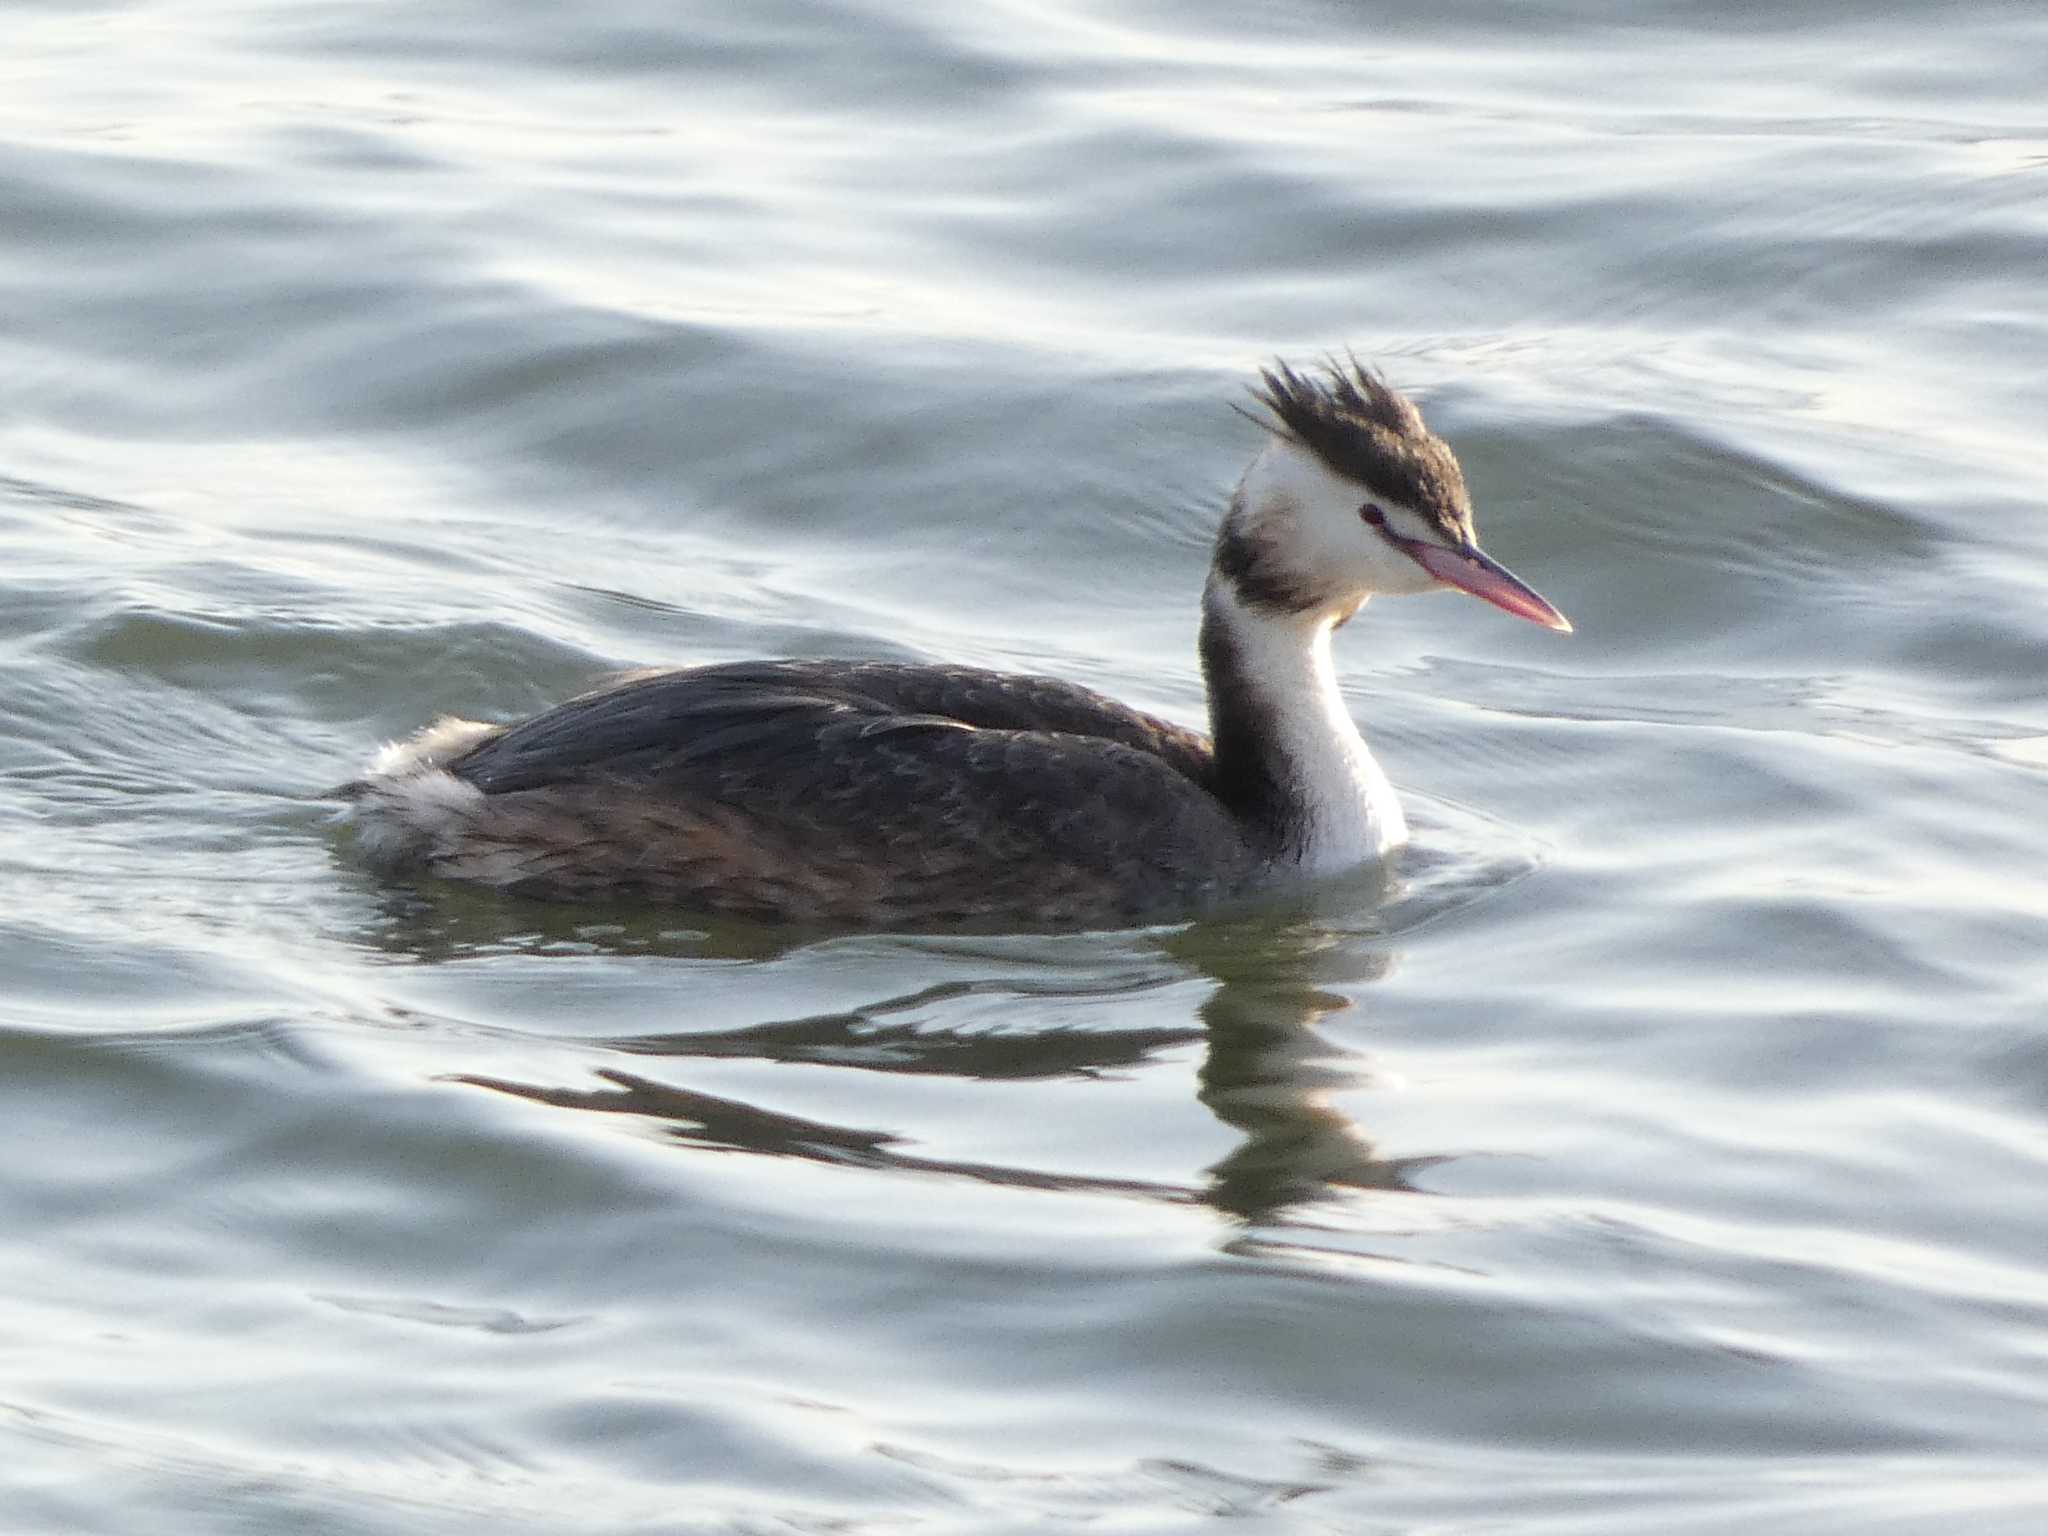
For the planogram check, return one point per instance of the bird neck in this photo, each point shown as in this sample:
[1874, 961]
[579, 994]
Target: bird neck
[1290, 764]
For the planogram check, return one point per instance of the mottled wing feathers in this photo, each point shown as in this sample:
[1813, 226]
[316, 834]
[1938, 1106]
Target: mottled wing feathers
[753, 711]
[1016, 702]
[871, 793]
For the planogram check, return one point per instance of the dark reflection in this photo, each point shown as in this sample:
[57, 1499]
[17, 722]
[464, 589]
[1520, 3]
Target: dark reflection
[1266, 1075]
[868, 1039]
[1267, 1071]
[704, 1119]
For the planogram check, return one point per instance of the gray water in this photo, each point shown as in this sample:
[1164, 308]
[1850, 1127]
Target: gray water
[1664, 1151]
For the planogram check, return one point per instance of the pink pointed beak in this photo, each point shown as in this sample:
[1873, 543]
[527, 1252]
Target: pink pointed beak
[1470, 570]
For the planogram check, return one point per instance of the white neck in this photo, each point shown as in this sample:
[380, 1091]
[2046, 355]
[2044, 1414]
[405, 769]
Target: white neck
[1273, 694]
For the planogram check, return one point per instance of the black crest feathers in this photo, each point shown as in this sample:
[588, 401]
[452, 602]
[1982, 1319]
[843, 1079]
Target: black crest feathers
[1364, 429]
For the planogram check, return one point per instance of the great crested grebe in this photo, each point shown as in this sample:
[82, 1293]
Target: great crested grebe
[876, 793]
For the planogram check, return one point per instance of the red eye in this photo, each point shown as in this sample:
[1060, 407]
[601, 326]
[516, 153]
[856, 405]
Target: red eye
[1373, 515]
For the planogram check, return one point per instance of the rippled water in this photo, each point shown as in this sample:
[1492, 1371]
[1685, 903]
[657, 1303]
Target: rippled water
[1663, 1152]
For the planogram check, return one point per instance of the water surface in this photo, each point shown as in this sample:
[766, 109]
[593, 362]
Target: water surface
[1660, 1152]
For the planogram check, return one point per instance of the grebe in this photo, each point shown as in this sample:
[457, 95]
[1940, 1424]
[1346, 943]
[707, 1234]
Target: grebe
[874, 793]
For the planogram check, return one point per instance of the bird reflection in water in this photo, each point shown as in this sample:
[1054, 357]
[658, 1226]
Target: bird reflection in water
[1266, 1072]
